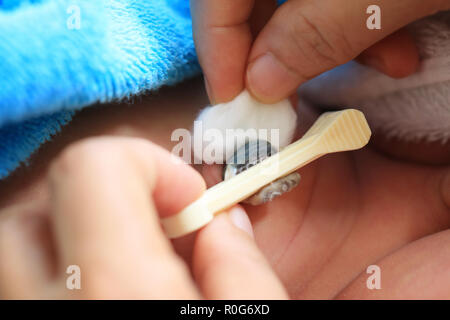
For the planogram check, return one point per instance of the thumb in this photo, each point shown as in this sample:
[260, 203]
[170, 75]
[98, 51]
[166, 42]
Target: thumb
[227, 264]
[306, 38]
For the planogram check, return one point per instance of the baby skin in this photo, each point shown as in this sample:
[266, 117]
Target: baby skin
[350, 211]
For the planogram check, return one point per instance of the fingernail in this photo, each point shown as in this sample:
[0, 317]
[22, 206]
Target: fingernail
[209, 91]
[240, 219]
[269, 80]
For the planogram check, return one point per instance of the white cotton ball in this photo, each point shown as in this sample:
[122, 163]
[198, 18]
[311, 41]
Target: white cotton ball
[219, 130]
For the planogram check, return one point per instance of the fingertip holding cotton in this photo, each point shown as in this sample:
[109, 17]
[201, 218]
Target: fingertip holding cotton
[221, 129]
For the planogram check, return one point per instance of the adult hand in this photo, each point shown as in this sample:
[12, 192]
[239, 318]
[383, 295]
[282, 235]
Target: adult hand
[273, 50]
[102, 214]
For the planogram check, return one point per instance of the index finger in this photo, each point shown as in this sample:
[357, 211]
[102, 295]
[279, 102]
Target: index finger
[223, 39]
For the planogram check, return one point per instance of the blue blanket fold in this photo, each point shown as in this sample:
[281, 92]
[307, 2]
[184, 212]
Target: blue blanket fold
[57, 56]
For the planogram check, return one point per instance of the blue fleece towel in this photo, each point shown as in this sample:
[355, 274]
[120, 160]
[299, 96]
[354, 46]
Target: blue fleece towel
[57, 56]
[49, 67]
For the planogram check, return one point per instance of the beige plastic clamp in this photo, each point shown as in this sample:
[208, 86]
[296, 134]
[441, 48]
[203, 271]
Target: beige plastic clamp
[332, 132]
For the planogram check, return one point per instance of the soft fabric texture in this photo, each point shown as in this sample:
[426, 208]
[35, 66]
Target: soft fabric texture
[245, 116]
[414, 108]
[48, 70]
